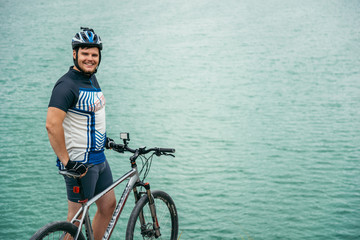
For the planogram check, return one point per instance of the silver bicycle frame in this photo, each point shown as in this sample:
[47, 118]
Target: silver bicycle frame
[133, 176]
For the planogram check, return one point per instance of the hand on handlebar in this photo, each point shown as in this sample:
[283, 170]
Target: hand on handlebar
[109, 142]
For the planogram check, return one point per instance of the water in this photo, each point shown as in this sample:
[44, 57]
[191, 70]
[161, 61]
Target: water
[261, 100]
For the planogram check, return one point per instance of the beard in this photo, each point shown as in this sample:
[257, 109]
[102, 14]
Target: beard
[87, 71]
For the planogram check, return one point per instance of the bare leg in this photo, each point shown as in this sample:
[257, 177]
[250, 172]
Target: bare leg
[73, 208]
[105, 208]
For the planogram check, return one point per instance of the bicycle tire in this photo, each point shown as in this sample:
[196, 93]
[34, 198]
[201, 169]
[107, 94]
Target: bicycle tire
[55, 230]
[166, 214]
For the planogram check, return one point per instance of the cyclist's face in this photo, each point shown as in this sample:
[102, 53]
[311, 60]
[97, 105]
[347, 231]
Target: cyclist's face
[88, 59]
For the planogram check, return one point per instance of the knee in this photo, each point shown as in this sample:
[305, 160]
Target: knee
[112, 205]
[108, 208]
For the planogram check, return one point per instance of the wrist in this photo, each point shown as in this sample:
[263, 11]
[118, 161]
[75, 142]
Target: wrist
[108, 141]
[70, 164]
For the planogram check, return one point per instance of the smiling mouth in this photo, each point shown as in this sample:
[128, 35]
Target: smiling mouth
[88, 68]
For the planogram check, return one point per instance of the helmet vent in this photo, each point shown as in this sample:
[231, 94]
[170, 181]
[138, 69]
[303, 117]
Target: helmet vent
[86, 38]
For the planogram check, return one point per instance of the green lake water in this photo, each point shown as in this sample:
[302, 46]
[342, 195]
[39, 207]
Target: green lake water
[261, 100]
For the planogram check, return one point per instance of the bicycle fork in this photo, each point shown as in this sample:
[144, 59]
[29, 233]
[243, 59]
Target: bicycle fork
[152, 207]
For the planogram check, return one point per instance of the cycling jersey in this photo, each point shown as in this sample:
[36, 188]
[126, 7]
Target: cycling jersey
[84, 126]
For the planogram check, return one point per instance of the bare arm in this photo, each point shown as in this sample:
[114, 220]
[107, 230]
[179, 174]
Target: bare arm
[54, 127]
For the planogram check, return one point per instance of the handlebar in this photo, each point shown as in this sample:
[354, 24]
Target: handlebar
[121, 148]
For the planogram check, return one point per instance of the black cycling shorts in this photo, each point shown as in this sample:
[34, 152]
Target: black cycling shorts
[96, 180]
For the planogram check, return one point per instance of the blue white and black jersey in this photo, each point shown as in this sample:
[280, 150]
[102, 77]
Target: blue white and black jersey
[81, 98]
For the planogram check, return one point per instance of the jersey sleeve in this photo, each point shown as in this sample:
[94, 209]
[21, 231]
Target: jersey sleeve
[63, 96]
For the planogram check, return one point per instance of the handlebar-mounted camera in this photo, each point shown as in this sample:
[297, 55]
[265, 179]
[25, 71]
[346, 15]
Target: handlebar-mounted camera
[125, 137]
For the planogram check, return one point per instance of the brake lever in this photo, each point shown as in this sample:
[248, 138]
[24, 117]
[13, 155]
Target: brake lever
[169, 154]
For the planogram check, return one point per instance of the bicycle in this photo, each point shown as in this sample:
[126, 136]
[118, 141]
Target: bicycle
[154, 214]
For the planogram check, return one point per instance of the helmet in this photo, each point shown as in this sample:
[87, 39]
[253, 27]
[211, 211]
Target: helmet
[86, 38]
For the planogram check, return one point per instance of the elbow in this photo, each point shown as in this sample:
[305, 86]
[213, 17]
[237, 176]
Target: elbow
[54, 120]
[50, 127]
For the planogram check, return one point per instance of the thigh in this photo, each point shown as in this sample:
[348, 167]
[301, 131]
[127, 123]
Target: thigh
[88, 183]
[105, 178]
[107, 203]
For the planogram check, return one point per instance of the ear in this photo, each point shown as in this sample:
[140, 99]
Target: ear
[74, 54]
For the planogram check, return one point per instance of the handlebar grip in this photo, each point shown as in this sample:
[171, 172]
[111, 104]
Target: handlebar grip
[169, 150]
[117, 147]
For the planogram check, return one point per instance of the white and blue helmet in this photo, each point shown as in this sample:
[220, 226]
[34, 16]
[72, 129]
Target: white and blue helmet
[86, 38]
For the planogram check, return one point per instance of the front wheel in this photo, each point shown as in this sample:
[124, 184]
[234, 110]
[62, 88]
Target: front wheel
[57, 230]
[166, 215]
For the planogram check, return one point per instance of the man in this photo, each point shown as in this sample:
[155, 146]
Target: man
[76, 128]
